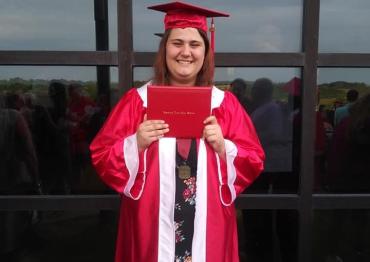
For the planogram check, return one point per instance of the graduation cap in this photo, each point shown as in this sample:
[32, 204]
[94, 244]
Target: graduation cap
[182, 15]
[293, 87]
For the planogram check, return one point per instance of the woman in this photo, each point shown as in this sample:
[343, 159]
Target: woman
[165, 217]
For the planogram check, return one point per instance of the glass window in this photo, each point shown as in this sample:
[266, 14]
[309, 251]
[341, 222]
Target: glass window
[341, 235]
[271, 96]
[344, 26]
[58, 235]
[342, 163]
[268, 235]
[253, 26]
[142, 75]
[52, 25]
[112, 16]
[49, 115]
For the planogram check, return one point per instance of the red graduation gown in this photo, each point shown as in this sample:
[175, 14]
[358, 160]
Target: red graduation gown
[147, 182]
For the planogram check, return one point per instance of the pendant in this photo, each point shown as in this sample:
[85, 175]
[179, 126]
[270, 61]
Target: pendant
[184, 171]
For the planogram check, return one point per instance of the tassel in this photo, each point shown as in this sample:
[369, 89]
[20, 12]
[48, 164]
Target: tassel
[212, 29]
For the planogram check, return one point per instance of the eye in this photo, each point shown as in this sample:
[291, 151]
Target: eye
[177, 43]
[195, 44]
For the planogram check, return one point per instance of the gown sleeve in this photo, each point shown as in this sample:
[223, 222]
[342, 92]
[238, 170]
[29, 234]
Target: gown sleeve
[114, 151]
[244, 153]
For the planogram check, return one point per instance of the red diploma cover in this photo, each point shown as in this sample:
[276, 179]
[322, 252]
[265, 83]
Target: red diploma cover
[183, 108]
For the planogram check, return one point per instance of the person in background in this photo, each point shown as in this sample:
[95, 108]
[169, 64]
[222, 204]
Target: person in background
[272, 126]
[343, 111]
[53, 141]
[166, 216]
[348, 161]
[272, 229]
[348, 172]
[79, 113]
[18, 176]
[239, 88]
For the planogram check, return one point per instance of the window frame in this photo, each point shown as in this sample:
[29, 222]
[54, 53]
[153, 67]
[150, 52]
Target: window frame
[309, 60]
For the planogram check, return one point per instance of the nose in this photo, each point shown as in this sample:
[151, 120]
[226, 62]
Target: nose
[186, 50]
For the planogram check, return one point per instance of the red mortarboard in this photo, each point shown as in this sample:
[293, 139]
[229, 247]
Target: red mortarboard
[182, 15]
[293, 87]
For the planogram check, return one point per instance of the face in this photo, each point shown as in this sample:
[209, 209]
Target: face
[185, 51]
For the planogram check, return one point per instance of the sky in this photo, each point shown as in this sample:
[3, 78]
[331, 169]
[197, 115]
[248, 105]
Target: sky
[254, 26]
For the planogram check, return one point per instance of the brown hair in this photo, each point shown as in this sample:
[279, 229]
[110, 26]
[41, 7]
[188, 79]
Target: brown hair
[205, 75]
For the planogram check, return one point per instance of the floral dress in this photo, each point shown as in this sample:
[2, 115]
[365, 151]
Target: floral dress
[185, 206]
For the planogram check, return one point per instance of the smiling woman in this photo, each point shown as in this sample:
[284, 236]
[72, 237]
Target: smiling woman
[185, 55]
[178, 192]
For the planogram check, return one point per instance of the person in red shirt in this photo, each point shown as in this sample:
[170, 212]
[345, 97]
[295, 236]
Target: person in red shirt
[79, 112]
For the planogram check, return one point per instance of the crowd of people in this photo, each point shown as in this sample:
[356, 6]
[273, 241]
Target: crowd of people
[342, 139]
[338, 148]
[44, 149]
[56, 133]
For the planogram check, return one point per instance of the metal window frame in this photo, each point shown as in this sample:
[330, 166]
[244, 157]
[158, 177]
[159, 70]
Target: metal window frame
[309, 60]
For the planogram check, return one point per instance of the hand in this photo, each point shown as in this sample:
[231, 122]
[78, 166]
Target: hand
[150, 131]
[213, 134]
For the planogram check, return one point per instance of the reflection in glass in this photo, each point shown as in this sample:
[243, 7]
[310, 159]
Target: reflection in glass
[339, 31]
[274, 111]
[272, 120]
[268, 235]
[52, 25]
[344, 107]
[253, 26]
[18, 159]
[271, 96]
[46, 127]
[58, 236]
[112, 16]
[341, 235]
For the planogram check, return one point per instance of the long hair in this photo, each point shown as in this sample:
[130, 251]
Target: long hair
[161, 74]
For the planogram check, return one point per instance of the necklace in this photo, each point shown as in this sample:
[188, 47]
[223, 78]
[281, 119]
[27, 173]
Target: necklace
[183, 148]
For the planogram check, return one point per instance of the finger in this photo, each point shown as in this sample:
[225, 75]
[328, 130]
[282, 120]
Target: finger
[209, 132]
[158, 126]
[158, 132]
[213, 129]
[154, 125]
[161, 132]
[210, 120]
[210, 128]
[161, 129]
[213, 140]
[145, 117]
[148, 140]
[210, 137]
[157, 137]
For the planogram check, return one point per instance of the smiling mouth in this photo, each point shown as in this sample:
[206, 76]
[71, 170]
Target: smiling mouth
[184, 62]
